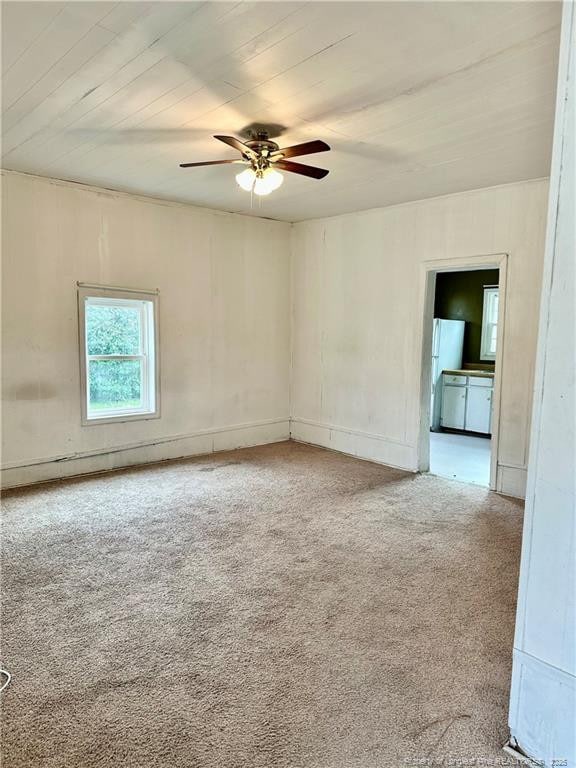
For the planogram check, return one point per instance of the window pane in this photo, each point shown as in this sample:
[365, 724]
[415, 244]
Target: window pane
[114, 384]
[493, 338]
[112, 330]
[494, 308]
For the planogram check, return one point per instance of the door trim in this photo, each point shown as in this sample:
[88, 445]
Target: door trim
[429, 270]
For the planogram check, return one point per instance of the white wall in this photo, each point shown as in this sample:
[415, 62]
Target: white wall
[224, 285]
[357, 319]
[224, 325]
[543, 700]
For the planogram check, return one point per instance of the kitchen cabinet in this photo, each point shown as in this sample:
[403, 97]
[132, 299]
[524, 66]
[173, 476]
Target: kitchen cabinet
[467, 402]
[453, 407]
[478, 409]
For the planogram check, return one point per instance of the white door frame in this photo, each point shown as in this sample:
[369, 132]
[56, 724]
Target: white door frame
[428, 288]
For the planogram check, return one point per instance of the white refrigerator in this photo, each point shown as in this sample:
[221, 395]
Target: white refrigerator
[447, 344]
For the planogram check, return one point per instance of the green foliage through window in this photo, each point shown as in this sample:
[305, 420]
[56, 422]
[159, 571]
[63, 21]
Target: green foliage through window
[114, 384]
[112, 330]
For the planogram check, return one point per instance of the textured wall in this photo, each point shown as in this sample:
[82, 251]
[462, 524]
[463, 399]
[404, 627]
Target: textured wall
[543, 700]
[224, 324]
[358, 319]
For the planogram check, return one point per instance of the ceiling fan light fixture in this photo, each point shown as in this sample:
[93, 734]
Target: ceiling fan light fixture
[246, 179]
[268, 181]
[261, 154]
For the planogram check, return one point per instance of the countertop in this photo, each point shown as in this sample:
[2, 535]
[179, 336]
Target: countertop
[484, 374]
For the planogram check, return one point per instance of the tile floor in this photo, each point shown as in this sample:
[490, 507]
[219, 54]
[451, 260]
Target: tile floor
[460, 457]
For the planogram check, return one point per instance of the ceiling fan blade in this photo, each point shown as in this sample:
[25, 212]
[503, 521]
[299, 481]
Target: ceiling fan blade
[209, 162]
[232, 141]
[303, 170]
[307, 148]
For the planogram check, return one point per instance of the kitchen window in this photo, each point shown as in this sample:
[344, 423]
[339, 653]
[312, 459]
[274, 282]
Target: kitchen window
[489, 324]
[118, 354]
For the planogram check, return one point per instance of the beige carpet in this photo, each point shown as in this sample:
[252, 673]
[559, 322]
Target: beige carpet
[271, 607]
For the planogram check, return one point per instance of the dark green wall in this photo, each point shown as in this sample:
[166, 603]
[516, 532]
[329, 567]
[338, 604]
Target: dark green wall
[460, 296]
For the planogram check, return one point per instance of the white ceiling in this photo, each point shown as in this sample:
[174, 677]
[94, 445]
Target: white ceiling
[416, 99]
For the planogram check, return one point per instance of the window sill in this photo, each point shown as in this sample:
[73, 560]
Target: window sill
[120, 417]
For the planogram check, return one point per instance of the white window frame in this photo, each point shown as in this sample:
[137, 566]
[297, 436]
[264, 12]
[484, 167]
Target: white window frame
[485, 353]
[147, 303]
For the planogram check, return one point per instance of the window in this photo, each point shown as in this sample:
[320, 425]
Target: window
[489, 324]
[118, 354]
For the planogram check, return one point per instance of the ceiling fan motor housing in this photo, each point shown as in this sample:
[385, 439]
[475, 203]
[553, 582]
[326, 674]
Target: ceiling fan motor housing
[264, 147]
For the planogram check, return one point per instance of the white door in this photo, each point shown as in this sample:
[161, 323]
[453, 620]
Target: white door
[478, 409]
[453, 407]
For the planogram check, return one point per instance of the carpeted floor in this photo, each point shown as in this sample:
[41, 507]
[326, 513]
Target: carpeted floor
[275, 607]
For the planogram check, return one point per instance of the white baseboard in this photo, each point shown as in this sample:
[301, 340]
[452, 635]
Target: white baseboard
[543, 711]
[363, 445]
[519, 757]
[511, 480]
[172, 447]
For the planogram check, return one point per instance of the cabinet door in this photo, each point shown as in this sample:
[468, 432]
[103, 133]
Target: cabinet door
[453, 407]
[478, 409]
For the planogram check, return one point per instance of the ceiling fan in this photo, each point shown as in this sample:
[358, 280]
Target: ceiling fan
[264, 157]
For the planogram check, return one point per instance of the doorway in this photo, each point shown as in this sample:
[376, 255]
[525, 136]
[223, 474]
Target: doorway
[461, 361]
